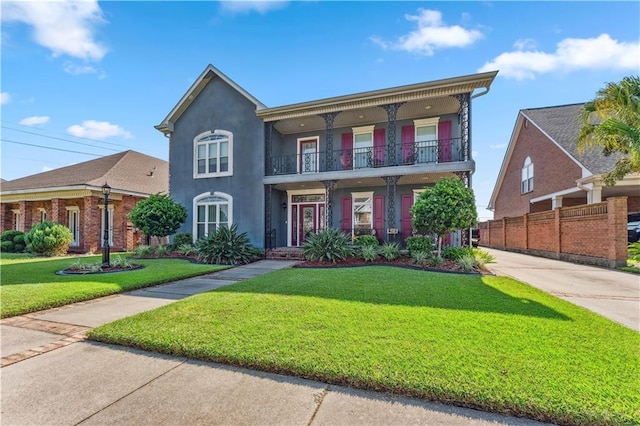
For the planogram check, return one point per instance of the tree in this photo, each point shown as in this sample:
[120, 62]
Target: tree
[158, 215]
[445, 207]
[611, 121]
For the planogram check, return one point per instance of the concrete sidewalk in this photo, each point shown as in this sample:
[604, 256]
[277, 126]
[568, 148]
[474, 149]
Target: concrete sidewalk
[607, 292]
[63, 379]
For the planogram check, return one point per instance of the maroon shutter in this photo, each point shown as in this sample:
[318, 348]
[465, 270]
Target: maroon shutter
[378, 147]
[444, 141]
[405, 222]
[347, 151]
[378, 216]
[346, 215]
[408, 138]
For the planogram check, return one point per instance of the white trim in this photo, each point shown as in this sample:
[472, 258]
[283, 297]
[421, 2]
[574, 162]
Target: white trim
[290, 194]
[363, 129]
[299, 156]
[354, 195]
[68, 208]
[197, 142]
[555, 194]
[74, 211]
[432, 121]
[197, 198]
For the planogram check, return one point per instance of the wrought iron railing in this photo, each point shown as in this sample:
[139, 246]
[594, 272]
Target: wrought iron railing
[421, 152]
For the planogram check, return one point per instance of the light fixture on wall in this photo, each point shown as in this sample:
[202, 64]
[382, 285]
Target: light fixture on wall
[284, 206]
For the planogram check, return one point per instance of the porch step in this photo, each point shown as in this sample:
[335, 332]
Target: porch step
[285, 253]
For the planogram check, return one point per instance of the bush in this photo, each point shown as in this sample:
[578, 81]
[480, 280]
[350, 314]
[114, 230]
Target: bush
[162, 250]
[369, 253]
[142, 251]
[187, 249]
[16, 238]
[468, 262]
[7, 247]
[634, 251]
[417, 243]
[366, 240]
[421, 257]
[390, 251]
[225, 246]
[482, 257]
[49, 239]
[455, 253]
[182, 238]
[328, 244]
[436, 261]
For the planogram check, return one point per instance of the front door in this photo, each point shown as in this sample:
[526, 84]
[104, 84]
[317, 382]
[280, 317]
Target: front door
[307, 224]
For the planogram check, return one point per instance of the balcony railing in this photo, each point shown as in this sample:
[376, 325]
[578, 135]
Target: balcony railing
[422, 152]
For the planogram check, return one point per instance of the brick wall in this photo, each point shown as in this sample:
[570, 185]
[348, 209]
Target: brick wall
[591, 233]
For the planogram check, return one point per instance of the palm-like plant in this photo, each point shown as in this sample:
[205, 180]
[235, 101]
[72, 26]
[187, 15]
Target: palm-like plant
[612, 121]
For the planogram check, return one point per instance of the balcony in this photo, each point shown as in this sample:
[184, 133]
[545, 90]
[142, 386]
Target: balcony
[417, 153]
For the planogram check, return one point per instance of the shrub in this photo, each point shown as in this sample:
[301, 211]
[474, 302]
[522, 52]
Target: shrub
[49, 239]
[436, 261]
[455, 253]
[421, 257]
[182, 238]
[482, 257]
[468, 262]
[162, 250]
[421, 243]
[225, 246]
[158, 215]
[390, 251]
[187, 249]
[142, 251]
[16, 238]
[7, 246]
[120, 262]
[634, 251]
[10, 235]
[328, 244]
[369, 253]
[366, 240]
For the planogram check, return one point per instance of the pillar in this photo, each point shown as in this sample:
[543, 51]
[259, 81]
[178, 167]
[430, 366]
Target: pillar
[329, 186]
[328, 121]
[392, 148]
[392, 229]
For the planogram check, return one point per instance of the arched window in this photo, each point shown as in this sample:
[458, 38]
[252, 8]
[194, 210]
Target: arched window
[213, 154]
[211, 211]
[526, 183]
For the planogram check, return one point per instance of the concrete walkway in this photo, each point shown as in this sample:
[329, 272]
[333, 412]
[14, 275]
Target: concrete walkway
[53, 376]
[607, 292]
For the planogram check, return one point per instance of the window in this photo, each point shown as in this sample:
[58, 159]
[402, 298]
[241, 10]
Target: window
[527, 176]
[16, 219]
[211, 210]
[110, 225]
[213, 154]
[426, 138]
[363, 147]
[43, 214]
[362, 212]
[74, 225]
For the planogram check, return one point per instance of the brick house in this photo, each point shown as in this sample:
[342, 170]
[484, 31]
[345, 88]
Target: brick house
[72, 196]
[543, 170]
[353, 162]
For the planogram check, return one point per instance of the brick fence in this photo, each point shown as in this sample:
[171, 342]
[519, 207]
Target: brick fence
[594, 234]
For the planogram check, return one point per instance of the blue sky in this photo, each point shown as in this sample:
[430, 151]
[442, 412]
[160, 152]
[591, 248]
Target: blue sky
[93, 78]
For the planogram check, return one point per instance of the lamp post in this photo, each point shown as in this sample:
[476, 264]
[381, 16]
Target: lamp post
[106, 190]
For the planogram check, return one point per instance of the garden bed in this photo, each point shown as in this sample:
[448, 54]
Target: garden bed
[450, 266]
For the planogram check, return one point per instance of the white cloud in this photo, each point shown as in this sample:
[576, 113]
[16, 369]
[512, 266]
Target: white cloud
[5, 98]
[242, 6]
[571, 54]
[64, 27]
[97, 130]
[34, 120]
[525, 44]
[432, 34]
[75, 69]
[498, 146]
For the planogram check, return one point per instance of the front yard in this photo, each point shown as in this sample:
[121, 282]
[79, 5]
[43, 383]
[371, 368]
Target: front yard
[479, 341]
[30, 284]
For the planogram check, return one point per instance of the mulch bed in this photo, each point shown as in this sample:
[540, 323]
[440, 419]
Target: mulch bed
[103, 270]
[448, 266]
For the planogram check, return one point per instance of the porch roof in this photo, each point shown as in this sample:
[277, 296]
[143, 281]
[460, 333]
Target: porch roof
[408, 93]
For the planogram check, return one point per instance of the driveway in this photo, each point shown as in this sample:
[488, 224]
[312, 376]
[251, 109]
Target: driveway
[607, 292]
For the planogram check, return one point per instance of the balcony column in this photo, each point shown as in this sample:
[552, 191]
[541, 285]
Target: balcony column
[268, 225]
[392, 149]
[328, 121]
[392, 230]
[268, 146]
[464, 117]
[465, 177]
[329, 186]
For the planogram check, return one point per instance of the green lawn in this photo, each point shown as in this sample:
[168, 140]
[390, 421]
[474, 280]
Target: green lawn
[30, 284]
[486, 342]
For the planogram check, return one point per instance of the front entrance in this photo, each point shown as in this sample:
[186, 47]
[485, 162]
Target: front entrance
[307, 217]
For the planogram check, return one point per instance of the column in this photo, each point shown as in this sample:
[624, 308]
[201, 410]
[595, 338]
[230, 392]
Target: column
[392, 230]
[328, 121]
[26, 216]
[465, 123]
[91, 225]
[57, 211]
[556, 202]
[329, 186]
[268, 147]
[392, 149]
[268, 225]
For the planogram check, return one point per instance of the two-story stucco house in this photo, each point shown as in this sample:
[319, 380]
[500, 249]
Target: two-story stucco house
[354, 162]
